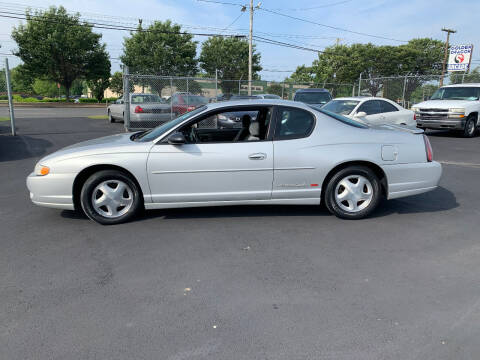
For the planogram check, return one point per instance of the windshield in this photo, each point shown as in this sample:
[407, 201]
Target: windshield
[341, 118]
[313, 97]
[146, 98]
[342, 107]
[154, 133]
[456, 93]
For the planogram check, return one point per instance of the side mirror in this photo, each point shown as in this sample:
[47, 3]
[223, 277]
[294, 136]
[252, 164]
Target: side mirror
[177, 139]
[361, 114]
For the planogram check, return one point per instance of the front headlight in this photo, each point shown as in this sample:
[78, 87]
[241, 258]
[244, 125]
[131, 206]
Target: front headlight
[41, 170]
[456, 112]
[415, 109]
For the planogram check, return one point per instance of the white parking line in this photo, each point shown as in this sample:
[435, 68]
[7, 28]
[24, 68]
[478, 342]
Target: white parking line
[459, 163]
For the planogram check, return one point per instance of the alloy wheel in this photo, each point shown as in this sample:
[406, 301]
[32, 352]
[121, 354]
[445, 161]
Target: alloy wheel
[353, 193]
[112, 198]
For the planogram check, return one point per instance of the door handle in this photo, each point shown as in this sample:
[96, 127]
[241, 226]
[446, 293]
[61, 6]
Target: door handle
[257, 156]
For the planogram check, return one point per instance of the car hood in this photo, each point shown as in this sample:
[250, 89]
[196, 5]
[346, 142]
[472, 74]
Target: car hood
[108, 144]
[443, 104]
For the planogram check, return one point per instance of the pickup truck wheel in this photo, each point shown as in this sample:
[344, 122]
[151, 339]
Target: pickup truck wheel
[470, 127]
[110, 117]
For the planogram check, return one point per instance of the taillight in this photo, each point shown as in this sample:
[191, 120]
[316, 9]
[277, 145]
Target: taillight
[190, 108]
[428, 148]
[414, 117]
[138, 109]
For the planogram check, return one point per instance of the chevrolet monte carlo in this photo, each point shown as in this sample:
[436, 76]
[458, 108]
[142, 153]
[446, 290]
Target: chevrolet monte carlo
[287, 153]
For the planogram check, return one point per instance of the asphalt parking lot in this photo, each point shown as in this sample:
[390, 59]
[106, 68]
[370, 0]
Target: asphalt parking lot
[273, 282]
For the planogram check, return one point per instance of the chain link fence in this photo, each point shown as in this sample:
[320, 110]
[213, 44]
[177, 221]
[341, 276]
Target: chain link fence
[151, 100]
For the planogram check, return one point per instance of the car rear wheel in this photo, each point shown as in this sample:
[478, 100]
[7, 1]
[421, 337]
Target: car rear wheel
[353, 192]
[470, 127]
[110, 117]
[110, 197]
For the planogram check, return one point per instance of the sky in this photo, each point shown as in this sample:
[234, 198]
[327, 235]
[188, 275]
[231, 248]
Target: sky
[387, 20]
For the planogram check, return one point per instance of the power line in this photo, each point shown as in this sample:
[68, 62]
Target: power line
[19, 16]
[315, 7]
[284, 44]
[234, 21]
[221, 2]
[329, 26]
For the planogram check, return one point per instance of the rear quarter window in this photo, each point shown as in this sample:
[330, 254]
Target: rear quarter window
[293, 123]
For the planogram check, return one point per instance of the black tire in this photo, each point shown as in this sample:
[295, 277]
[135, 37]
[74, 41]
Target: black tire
[86, 197]
[352, 171]
[111, 119]
[470, 127]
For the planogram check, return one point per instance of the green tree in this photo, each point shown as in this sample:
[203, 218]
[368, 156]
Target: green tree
[58, 46]
[46, 88]
[98, 87]
[230, 57]
[21, 81]
[275, 89]
[160, 49]
[303, 74]
[116, 83]
[79, 87]
[344, 64]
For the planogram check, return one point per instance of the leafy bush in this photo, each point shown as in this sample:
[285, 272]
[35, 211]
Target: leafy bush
[88, 100]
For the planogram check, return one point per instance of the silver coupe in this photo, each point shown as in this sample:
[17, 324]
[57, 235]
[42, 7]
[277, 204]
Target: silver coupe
[285, 153]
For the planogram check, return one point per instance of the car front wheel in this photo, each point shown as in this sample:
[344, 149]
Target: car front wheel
[470, 127]
[110, 197]
[353, 192]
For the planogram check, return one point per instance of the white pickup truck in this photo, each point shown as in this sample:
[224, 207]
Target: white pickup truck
[453, 107]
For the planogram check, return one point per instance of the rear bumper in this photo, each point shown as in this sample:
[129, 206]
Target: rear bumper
[454, 124]
[52, 190]
[412, 179]
[159, 117]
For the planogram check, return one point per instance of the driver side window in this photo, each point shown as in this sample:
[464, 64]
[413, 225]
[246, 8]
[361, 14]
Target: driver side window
[233, 125]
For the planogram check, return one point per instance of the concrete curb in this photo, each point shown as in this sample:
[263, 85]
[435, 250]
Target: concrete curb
[54, 105]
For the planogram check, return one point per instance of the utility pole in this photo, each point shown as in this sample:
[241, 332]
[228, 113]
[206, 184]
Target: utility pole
[250, 50]
[250, 46]
[445, 57]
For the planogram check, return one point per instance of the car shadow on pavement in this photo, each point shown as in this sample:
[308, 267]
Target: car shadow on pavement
[440, 199]
[236, 211]
[21, 147]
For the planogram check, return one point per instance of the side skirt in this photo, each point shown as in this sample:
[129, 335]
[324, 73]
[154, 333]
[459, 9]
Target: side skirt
[305, 201]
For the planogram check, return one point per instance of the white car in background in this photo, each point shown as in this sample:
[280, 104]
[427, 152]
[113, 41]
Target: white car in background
[372, 111]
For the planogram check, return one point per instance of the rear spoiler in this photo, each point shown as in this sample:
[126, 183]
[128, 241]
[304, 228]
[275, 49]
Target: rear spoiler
[401, 128]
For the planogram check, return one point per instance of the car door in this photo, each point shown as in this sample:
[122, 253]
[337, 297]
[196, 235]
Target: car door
[391, 114]
[211, 171]
[294, 167]
[395, 114]
[372, 110]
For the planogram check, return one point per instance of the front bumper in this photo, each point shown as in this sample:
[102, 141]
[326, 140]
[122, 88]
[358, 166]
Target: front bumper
[52, 190]
[412, 179]
[454, 124]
